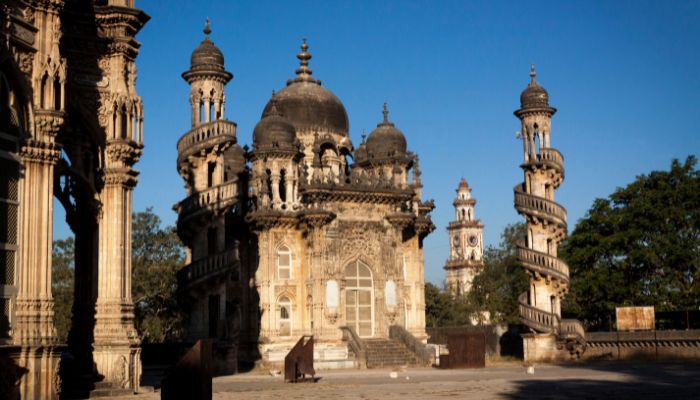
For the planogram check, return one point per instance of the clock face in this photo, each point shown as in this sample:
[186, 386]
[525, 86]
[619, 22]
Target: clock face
[473, 240]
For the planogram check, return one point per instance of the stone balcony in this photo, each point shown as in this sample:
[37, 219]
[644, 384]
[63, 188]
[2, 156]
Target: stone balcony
[539, 207]
[208, 267]
[543, 263]
[205, 136]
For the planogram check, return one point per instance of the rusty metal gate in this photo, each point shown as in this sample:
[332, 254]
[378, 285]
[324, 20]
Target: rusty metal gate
[467, 350]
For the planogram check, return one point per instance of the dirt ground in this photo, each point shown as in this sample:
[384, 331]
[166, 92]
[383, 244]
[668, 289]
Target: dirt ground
[498, 381]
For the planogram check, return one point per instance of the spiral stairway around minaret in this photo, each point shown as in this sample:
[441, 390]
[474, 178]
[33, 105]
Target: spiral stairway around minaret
[539, 265]
[200, 207]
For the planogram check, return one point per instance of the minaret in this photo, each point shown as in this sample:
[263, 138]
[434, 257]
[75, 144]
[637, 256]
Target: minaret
[466, 243]
[212, 165]
[207, 78]
[543, 165]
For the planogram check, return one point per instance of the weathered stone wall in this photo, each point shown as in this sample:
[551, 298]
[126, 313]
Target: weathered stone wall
[650, 344]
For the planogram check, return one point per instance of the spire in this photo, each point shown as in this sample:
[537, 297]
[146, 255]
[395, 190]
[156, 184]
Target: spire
[532, 75]
[273, 105]
[303, 72]
[385, 113]
[207, 27]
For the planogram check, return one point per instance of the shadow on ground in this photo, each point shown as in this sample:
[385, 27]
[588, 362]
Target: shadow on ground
[628, 380]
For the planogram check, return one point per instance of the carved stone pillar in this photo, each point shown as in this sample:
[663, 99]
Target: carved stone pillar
[116, 347]
[34, 329]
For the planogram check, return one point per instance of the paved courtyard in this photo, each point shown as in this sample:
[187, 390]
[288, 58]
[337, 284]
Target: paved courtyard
[506, 381]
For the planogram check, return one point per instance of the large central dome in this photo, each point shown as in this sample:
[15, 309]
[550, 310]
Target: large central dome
[307, 105]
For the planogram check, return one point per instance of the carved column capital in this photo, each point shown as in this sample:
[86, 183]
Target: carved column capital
[122, 154]
[48, 123]
[41, 152]
[126, 177]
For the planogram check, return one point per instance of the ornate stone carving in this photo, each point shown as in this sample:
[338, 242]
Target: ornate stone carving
[38, 151]
[121, 372]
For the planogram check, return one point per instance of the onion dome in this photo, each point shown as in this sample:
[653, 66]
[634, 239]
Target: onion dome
[307, 105]
[274, 130]
[386, 140]
[361, 151]
[207, 59]
[234, 161]
[534, 95]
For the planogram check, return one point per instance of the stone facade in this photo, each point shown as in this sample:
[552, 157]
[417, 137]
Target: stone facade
[302, 234]
[543, 165]
[466, 236]
[70, 127]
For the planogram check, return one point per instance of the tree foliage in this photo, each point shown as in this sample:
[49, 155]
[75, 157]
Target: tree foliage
[62, 282]
[495, 289]
[156, 256]
[640, 246]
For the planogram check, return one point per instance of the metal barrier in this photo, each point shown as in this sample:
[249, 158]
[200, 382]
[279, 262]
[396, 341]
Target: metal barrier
[191, 377]
[299, 362]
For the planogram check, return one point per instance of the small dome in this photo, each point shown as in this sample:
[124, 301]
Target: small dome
[308, 105]
[234, 160]
[386, 140]
[273, 130]
[534, 95]
[207, 61]
[207, 56]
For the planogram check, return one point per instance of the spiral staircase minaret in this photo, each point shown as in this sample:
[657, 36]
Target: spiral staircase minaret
[543, 167]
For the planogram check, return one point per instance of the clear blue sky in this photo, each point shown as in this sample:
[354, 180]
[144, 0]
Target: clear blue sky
[625, 76]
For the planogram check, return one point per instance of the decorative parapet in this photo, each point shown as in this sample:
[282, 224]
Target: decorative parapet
[539, 207]
[543, 264]
[207, 268]
[539, 320]
[205, 136]
[215, 197]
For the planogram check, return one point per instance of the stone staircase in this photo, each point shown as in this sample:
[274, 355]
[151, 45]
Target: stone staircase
[386, 353]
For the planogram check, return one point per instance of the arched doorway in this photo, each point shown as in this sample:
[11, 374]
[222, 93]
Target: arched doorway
[359, 298]
[285, 316]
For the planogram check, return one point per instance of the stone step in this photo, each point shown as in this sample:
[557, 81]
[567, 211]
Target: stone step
[384, 353]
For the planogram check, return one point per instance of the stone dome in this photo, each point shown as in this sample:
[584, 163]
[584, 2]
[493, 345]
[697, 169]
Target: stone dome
[534, 95]
[234, 160]
[308, 105]
[386, 140]
[207, 55]
[274, 129]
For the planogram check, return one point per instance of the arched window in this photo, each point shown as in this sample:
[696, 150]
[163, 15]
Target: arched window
[285, 316]
[284, 263]
[359, 298]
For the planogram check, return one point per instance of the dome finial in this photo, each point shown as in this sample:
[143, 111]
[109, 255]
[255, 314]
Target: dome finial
[386, 113]
[303, 72]
[532, 73]
[207, 27]
[273, 105]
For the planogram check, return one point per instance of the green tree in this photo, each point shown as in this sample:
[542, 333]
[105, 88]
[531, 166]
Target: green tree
[62, 282]
[157, 255]
[443, 310]
[640, 246]
[497, 287]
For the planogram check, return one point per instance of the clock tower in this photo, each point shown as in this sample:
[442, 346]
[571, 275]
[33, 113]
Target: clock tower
[466, 243]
